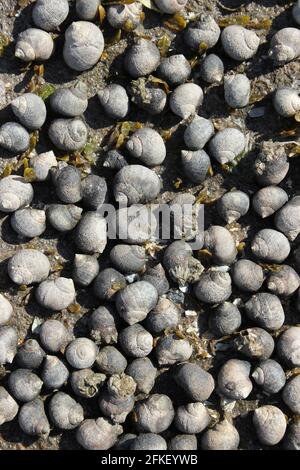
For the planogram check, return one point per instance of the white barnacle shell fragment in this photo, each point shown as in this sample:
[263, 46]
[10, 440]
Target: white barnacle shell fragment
[118, 15]
[239, 43]
[28, 266]
[30, 109]
[286, 101]
[285, 45]
[84, 44]
[186, 99]
[15, 193]
[56, 294]
[34, 44]
[227, 144]
[50, 14]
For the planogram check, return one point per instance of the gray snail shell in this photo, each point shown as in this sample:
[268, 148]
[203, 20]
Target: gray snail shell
[233, 205]
[227, 144]
[136, 184]
[63, 217]
[135, 301]
[102, 325]
[286, 101]
[270, 424]
[55, 294]
[284, 45]
[115, 408]
[288, 346]
[6, 310]
[157, 277]
[114, 100]
[136, 224]
[119, 15]
[24, 385]
[15, 193]
[291, 439]
[30, 355]
[68, 134]
[266, 310]
[32, 419]
[212, 69]
[143, 373]
[271, 165]
[270, 245]
[186, 100]
[195, 164]
[94, 191]
[192, 418]
[183, 442]
[14, 137]
[54, 373]
[291, 393]
[170, 6]
[205, 31]
[128, 258]
[223, 436]
[287, 219]
[219, 241]
[42, 164]
[81, 353]
[85, 269]
[8, 344]
[165, 315]
[142, 58]
[53, 335]
[213, 287]
[270, 376]
[239, 43]
[28, 267]
[171, 350]
[30, 109]
[175, 69]
[180, 264]
[255, 343]
[225, 319]
[34, 44]
[108, 283]
[197, 384]
[296, 12]
[233, 379]
[285, 282]
[237, 90]
[247, 275]
[98, 434]
[84, 44]
[155, 414]
[114, 160]
[198, 133]
[147, 95]
[148, 441]
[65, 412]
[85, 383]
[29, 222]
[87, 9]
[111, 361]
[8, 407]
[269, 200]
[147, 145]
[90, 235]
[70, 102]
[50, 14]
[135, 341]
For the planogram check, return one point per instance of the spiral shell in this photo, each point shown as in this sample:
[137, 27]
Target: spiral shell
[30, 109]
[223, 436]
[180, 263]
[271, 165]
[285, 45]
[212, 69]
[114, 100]
[53, 335]
[68, 134]
[50, 14]
[227, 144]
[219, 241]
[270, 424]
[233, 205]
[165, 315]
[239, 43]
[29, 222]
[175, 69]
[143, 373]
[8, 407]
[287, 219]
[14, 137]
[87, 9]
[111, 361]
[81, 353]
[270, 376]
[24, 385]
[147, 145]
[28, 266]
[269, 200]
[271, 246]
[255, 343]
[135, 301]
[155, 414]
[142, 58]
[171, 349]
[286, 101]
[266, 310]
[288, 346]
[237, 90]
[42, 164]
[198, 133]
[94, 191]
[34, 44]
[85, 269]
[54, 373]
[233, 379]
[63, 217]
[32, 419]
[30, 355]
[128, 258]
[192, 418]
[84, 44]
[213, 287]
[15, 193]
[197, 384]
[136, 224]
[135, 341]
[285, 282]
[102, 324]
[90, 235]
[119, 16]
[108, 283]
[186, 99]
[70, 102]
[98, 434]
[65, 412]
[6, 310]
[205, 31]
[55, 294]
[8, 344]
[135, 184]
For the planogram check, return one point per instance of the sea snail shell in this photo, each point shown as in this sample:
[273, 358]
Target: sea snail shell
[56, 294]
[30, 109]
[34, 44]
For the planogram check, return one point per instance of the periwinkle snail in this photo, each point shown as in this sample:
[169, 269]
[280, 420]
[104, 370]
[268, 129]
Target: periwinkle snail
[50, 14]
[34, 44]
